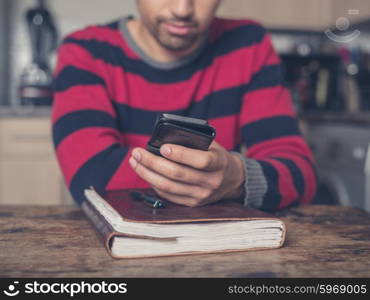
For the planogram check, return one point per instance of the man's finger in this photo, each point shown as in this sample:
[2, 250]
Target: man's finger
[168, 168]
[198, 159]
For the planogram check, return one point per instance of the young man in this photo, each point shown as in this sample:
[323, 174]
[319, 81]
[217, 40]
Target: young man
[112, 81]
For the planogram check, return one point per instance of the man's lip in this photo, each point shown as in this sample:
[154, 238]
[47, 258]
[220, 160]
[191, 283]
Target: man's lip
[178, 29]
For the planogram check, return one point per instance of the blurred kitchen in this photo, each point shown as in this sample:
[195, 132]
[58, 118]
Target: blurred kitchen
[324, 44]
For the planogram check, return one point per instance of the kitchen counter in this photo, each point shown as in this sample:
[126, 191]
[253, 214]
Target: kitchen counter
[321, 241]
[360, 118]
[342, 117]
[24, 112]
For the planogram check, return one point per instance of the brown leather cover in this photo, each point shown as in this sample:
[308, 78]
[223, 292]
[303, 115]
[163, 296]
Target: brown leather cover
[137, 211]
[133, 210]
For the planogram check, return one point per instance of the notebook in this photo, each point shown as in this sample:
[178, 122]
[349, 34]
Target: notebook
[132, 228]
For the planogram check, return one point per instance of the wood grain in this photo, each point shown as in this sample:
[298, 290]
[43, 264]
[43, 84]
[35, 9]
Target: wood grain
[322, 241]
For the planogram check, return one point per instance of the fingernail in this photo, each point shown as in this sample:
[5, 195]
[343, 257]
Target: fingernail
[132, 162]
[136, 154]
[166, 151]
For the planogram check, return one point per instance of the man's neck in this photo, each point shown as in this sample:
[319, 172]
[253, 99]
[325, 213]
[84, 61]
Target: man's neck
[152, 48]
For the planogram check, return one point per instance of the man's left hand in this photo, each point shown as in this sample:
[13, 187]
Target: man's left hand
[191, 177]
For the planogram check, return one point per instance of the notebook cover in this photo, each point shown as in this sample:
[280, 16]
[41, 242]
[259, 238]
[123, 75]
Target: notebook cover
[135, 210]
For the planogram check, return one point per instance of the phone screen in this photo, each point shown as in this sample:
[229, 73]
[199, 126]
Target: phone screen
[168, 133]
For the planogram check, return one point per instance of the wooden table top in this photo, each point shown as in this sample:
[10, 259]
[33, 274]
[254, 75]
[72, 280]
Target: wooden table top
[322, 241]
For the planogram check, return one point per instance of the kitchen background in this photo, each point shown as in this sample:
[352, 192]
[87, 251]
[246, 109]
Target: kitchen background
[324, 44]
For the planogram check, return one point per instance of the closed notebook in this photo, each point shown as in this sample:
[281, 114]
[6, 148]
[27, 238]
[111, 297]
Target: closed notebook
[130, 228]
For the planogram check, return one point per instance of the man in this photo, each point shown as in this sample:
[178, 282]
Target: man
[112, 81]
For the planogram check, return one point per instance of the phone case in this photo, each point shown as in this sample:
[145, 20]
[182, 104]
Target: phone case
[179, 130]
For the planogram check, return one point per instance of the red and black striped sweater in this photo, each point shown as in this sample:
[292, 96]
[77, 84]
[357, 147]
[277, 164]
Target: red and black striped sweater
[108, 94]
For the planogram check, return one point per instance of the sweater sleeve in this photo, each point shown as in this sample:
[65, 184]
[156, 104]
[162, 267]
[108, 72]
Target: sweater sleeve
[86, 136]
[279, 165]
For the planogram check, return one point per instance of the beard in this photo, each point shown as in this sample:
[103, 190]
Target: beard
[172, 41]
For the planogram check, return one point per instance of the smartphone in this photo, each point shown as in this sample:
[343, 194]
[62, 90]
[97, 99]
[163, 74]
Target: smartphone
[185, 131]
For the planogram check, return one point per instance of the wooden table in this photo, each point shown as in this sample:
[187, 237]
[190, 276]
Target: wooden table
[322, 241]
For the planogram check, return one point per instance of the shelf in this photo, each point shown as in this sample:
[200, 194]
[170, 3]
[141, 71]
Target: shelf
[24, 112]
[361, 118]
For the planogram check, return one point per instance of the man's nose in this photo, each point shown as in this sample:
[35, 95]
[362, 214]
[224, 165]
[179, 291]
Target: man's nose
[183, 9]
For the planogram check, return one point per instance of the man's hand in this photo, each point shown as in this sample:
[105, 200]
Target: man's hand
[191, 177]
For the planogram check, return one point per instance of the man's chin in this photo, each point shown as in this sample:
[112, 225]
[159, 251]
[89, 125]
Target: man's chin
[176, 48]
[177, 44]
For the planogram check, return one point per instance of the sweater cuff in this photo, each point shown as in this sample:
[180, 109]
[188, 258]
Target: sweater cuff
[255, 185]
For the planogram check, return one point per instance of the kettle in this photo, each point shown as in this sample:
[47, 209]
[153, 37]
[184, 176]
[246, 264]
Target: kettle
[36, 79]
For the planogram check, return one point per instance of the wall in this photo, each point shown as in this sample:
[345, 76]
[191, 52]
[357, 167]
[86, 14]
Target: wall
[341, 8]
[281, 13]
[73, 15]
[297, 14]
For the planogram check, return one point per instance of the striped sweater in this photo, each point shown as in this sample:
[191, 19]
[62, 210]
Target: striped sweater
[108, 93]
